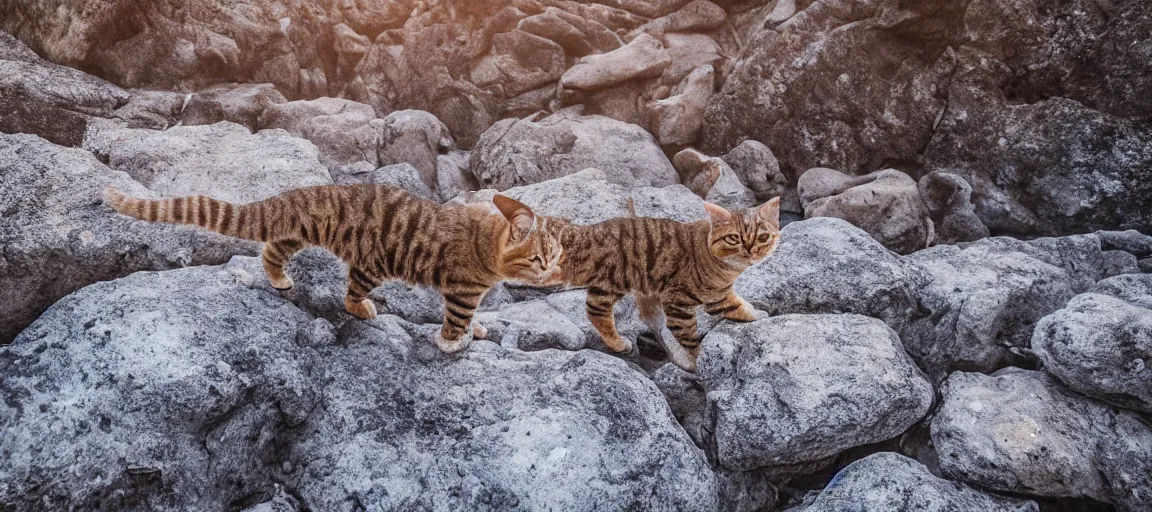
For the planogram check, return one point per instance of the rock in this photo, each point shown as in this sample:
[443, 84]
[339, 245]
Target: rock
[1054, 167]
[223, 160]
[182, 388]
[280, 502]
[515, 152]
[58, 236]
[949, 201]
[647, 8]
[886, 204]
[1134, 289]
[1101, 346]
[237, 103]
[1131, 241]
[343, 131]
[155, 110]
[578, 36]
[826, 265]
[519, 62]
[676, 120]
[453, 177]
[889, 481]
[557, 321]
[54, 102]
[712, 179]
[756, 167]
[587, 197]
[1020, 431]
[417, 138]
[979, 303]
[783, 10]
[840, 85]
[796, 389]
[402, 176]
[688, 52]
[643, 57]
[696, 16]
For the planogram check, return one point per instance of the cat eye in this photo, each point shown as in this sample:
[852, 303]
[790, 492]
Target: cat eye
[731, 239]
[537, 259]
[763, 238]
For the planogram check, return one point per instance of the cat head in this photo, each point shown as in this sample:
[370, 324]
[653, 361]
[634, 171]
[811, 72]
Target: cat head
[532, 249]
[743, 237]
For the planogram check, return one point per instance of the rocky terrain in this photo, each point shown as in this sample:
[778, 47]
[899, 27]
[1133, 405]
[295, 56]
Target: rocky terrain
[958, 316]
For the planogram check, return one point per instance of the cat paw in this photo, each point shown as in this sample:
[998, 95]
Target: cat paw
[620, 345]
[364, 309]
[745, 313]
[452, 347]
[283, 285]
[479, 331]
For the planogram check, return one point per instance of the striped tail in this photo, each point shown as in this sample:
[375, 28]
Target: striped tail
[203, 211]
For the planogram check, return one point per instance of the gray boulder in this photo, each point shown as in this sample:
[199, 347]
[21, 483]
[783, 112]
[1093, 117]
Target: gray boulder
[979, 303]
[889, 481]
[797, 389]
[578, 36]
[238, 103]
[414, 137]
[401, 176]
[519, 62]
[676, 119]
[514, 152]
[54, 102]
[1135, 289]
[826, 265]
[342, 130]
[156, 110]
[712, 179]
[453, 177]
[696, 16]
[885, 203]
[589, 197]
[1022, 432]
[643, 57]
[223, 160]
[1101, 346]
[757, 168]
[57, 235]
[949, 201]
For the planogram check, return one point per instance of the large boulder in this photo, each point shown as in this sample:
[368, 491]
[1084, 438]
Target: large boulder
[889, 481]
[826, 265]
[222, 160]
[676, 119]
[51, 101]
[712, 179]
[798, 389]
[643, 57]
[204, 388]
[696, 16]
[518, 152]
[757, 168]
[885, 203]
[57, 235]
[1101, 345]
[1022, 432]
[238, 103]
[414, 137]
[578, 36]
[342, 130]
[979, 303]
[949, 201]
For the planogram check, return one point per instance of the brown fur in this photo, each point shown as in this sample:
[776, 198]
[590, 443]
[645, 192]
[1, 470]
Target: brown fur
[672, 268]
[382, 233]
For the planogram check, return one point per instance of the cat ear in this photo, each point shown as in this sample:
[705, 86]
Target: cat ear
[519, 215]
[718, 213]
[770, 211]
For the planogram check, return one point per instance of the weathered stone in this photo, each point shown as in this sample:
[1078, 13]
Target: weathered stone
[238, 103]
[515, 152]
[676, 120]
[643, 57]
[688, 52]
[417, 138]
[1022, 432]
[578, 36]
[795, 389]
[223, 160]
[156, 110]
[712, 179]
[57, 236]
[519, 62]
[886, 204]
[342, 130]
[696, 16]
[949, 201]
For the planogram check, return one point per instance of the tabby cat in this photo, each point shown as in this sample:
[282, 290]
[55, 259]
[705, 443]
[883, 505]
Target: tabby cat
[672, 267]
[382, 233]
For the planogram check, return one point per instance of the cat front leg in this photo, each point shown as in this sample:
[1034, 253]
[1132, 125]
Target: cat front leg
[600, 305]
[459, 307]
[274, 256]
[681, 318]
[732, 307]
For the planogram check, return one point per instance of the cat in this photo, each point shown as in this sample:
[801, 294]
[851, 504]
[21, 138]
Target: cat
[672, 267]
[381, 233]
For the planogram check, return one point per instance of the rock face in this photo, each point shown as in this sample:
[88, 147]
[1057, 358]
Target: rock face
[340, 129]
[888, 481]
[1101, 345]
[515, 152]
[644, 57]
[223, 160]
[757, 168]
[238, 103]
[57, 236]
[795, 389]
[982, 301]
[271, 402]
[1020, 431]
[826, 265]
[948, 198]
[51, 101]
[886, 204]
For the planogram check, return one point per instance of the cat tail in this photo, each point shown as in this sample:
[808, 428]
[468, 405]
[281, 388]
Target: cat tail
[241, 221]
